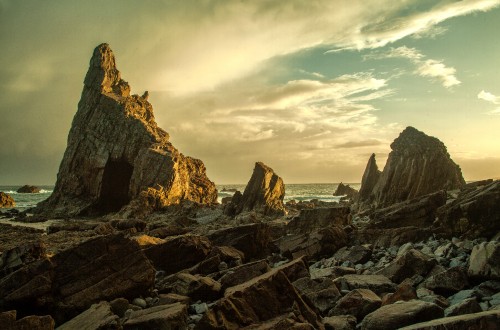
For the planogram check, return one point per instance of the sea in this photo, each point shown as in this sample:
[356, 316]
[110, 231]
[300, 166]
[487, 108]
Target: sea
[298, 192]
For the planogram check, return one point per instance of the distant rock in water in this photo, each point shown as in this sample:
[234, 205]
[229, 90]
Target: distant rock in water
[117, 154]
[27, 189]
[346, 190]
[6, 200]
[264, 193]
[417, 165]
[369, 180]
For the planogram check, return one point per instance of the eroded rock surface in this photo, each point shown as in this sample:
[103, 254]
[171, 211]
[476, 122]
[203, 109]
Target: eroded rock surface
[6, 200]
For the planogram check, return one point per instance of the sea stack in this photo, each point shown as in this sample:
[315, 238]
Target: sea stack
[116, 153]
[417, 165]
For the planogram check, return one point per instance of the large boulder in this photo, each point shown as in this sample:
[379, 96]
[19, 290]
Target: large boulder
[6, 200]
[408, 264]
[484, 261]
[27, 189]
[358, 302]
[116, 153]
[417, 165]
[264, 193]
[376, 283]
[98, 316]
[102, 268]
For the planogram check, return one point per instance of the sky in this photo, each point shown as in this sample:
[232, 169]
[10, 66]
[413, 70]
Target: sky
[309, 87]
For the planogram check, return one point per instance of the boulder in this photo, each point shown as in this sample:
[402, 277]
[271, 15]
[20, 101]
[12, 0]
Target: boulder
[331, 272]
[243, 273]
[27, 189]
[482, 320]
[295, 269]
[116, 154]
[264, 193]
[391, 236]
[341, 322]
[410, 263]
[346, 190]
[167, 317]
[261, 299]
[417, 165]
[98, 316]
[357, 254]
[319, 243]
[178, 253]
[449, 281]
[474, 213]
[102, 268]
[6, 200]
[311, 219]
[196, 287]
[321, 293]
[376, 283]
[400, 314]
[404, 292]
[466, 306]
[31, 322]
[358, 302]
[485, 261]
[369, 181]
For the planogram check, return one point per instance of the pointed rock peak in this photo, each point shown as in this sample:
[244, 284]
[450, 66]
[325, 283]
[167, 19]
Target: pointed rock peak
[369, 180]
[411, 139]
[103, 75]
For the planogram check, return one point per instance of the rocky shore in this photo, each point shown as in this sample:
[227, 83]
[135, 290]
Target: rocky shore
[416, 248]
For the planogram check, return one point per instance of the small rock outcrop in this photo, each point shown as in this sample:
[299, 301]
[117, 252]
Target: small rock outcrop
[369, 180]
[27, 189]
[116, 153]
[346, 190]
[264, 193]
[6, 200]
[417, 165]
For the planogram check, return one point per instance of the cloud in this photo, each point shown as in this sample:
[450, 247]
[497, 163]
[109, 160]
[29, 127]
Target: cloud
[359, 144]
[489, 97]
[430, 33]
[426, 68]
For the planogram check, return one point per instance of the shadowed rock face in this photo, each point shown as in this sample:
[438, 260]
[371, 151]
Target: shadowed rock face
[417, 165]
[369, 180]
[116, 153]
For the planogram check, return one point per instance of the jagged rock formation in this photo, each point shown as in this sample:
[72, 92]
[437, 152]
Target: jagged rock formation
[116, 153]
[264, 193]
[417, 165]
[369, 180]
[27, 189]
[346, 190]
[6, 200]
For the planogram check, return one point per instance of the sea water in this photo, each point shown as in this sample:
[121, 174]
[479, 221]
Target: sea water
[298, 192]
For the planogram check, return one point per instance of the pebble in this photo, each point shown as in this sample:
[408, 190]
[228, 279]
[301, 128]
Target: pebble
[140, 302]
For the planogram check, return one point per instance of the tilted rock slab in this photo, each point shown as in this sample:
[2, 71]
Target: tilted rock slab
[116, 153]
[369, 180]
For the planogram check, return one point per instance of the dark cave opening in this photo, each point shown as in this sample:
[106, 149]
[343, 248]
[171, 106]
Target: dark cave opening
[114, 192]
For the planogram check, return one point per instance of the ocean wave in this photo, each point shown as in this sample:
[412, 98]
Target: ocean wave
[44, 191]
[13, 192]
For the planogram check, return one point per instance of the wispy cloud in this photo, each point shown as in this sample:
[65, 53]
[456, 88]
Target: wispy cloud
[491, 98]
[424, 67]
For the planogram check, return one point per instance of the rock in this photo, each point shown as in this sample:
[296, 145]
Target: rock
[27, 189]
[321, 293]
[32, 322]
[259, 300]
[482, 320]
[319, 243]
[420, 212]
[376, 283]
[358, 302]
[401, 314]
[228, 254]
[6, 200]
[404, 292]
[282, 322]
[449, 281]
[243, 273]
[317, 218]
[295, 269]
[168, 317]
[17, 257]
[369, 181]
[417, 165]
[172, 298]
[119, 306]
[429, 296]
[117, 155]
[102, 268]
[340, 322]
[125, 224]
[463, 295]
[474, 213]
[254, 240]
[391, 236]
[264, 193]
[407, 265]
[485, 261]
[357, 254]
[140, 302]
[331, 272]
[196, 287]
[98, 316]
[347, 191]
[467, 306]
[178, 253]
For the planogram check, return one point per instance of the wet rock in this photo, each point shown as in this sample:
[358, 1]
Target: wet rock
[358, 302]
[467, 306]
[482, 320]
[321, 293]
[98, 316]
[340, 322]
[168, 317]
[376, 283]
[27, 189]
[407, 265]
[485, 261]
[117, 155]
[449, 281]
[316, 218]
[6, 200]
[401, 314]
[178, 253]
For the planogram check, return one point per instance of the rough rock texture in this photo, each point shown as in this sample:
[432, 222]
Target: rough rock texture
[27, 189]
[98, 316]
[376, 283]
[264, 192]
[417, 165]
[358, 302]
[116, 153]
[475, 212]
[166, 317]
[6, 200]
[484, 320]
[310, 219]
[105, 267]
[17, 257]
[321, 292]
[412, 262]
[346, 190]
[32, 322]
[369, 180]
[449, 281]
[485, 261]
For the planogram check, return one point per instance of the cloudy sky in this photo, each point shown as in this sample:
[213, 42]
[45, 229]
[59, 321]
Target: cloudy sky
[309, 87]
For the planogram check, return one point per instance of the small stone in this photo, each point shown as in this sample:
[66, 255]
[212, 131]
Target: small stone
[140, 302]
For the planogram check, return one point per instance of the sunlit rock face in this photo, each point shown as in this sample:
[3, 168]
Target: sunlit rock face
[417, 165]
[116, 153]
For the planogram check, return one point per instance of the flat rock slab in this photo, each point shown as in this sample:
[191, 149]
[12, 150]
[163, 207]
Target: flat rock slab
[489, 320]
[377, 283]
[98, 316]
[165, 317]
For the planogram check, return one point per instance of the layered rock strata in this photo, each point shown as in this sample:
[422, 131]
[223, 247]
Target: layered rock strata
[116, 153]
